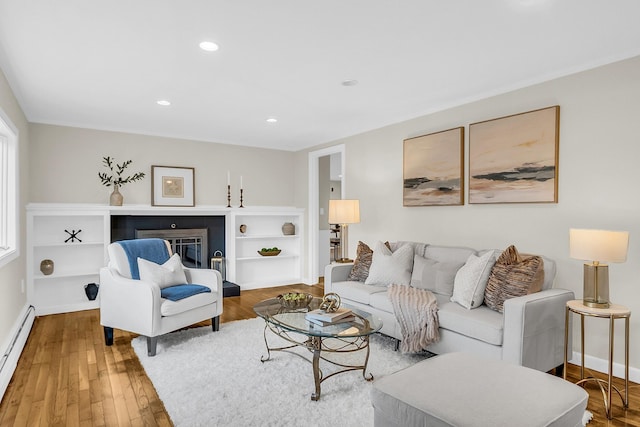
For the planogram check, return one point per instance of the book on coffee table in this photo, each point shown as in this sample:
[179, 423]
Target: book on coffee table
[333, 316]
[321, 323]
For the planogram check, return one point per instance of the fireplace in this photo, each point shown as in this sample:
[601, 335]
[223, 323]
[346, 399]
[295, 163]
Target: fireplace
[195, 237]
[189, 243]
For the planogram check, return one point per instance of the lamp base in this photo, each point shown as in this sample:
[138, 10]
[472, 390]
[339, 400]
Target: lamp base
[596, 286]
[344, 260]
[595, 304]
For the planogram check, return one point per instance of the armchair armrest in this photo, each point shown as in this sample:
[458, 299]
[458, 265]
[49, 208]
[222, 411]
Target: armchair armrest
[338, 272]
[534, 329]
[132, 305]
[206, 277]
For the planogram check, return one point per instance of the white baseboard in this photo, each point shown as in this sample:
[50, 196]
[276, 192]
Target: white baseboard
[13, 346]
[602, 365]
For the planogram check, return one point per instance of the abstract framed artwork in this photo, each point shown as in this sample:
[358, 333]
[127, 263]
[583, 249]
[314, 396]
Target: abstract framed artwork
[433, 169]
[172, 186]
[514, 159]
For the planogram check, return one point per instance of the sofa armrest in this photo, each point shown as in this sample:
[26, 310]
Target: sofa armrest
[132, 305]
[337, 272]
[534, 329]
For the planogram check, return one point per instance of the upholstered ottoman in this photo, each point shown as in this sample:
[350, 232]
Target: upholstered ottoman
[459, 389]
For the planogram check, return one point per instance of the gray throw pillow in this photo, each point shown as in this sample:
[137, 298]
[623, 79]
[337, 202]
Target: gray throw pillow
[437, 277]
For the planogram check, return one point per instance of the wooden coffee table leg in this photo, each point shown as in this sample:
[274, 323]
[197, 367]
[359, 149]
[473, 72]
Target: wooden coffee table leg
[317, 347]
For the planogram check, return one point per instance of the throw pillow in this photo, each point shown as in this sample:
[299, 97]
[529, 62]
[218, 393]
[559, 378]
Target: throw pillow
[360, 270]
[168, 274]
[390, 267]
[362, 264]
[513, 276]
[435, 276]
[471, 280]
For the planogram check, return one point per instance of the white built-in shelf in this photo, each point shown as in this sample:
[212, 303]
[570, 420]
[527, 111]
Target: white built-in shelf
[78, 263]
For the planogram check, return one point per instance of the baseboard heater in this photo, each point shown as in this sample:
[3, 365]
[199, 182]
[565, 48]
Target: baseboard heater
[9, 360]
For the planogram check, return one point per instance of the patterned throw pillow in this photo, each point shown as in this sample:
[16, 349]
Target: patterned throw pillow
[362, 264]
[513, 276]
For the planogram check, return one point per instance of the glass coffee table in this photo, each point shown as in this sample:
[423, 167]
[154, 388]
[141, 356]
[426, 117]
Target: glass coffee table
[325, 343]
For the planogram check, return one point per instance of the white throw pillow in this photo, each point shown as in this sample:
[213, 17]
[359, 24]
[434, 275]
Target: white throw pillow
[168, 274]
[471, 280]
[390, 267]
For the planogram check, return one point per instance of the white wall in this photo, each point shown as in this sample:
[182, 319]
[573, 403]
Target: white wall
[12, 299]
[65, 162]
[598, 185]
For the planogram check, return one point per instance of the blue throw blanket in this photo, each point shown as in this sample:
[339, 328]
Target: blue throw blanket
[178, 292]
[154, 250]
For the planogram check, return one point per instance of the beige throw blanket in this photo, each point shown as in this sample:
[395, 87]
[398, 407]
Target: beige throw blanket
[417, 313]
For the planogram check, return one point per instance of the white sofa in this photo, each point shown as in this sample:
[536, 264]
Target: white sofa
[529, 333]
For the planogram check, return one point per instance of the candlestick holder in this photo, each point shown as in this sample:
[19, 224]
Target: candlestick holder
[228, 195]
[241, 198]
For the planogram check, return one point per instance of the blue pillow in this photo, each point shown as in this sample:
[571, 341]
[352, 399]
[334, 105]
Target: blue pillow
[178, 292]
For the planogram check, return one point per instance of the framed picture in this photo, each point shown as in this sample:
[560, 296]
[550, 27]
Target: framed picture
[433, 169]
[514, 159]
[172, 186]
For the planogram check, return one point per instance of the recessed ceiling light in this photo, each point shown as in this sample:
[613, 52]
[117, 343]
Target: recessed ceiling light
[350, 82]
[272, 120]
[163, 102]
[209, 46]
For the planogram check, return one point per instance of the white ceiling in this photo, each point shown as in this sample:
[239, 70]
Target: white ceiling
[103, 64]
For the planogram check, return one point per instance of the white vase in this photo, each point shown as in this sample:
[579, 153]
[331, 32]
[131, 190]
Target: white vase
[116, 197]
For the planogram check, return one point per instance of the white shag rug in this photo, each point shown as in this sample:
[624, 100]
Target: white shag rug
[207, 378]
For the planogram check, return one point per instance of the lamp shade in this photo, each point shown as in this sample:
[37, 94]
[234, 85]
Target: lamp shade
[598, 245]
[344, 211]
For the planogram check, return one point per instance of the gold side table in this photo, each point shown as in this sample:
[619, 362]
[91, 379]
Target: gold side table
[612, 313]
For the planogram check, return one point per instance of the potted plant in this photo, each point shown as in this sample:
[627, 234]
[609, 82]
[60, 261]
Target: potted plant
[116, 179]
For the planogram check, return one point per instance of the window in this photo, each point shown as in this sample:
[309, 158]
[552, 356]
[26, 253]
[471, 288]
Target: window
[9, 225]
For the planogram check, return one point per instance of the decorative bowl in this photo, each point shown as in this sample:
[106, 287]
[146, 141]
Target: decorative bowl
[270, 253]
[295, 300]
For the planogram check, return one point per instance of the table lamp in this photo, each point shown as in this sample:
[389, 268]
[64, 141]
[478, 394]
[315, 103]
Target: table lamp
[597, 246]
[344, 212]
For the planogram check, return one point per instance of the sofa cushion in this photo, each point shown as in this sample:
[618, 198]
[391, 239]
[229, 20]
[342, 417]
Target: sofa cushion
[482, 323]
[448, 253]
[471, 280]
[435, 276]
[513, 276]
[390, 267]
[171, 308]
[357, 291]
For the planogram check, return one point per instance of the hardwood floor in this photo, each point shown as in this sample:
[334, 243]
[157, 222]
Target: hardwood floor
[66, 376]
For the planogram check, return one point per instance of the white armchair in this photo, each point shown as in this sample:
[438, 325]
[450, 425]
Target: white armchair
[135, 305]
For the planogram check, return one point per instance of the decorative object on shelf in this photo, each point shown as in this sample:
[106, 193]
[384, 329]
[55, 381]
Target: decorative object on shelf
[269, 251]
[116, 179]
[241, 193]
[330, 302]
[596, 246]
[433, 169]
[288, 229]
[243, 228]
[344, 212]
[295, 300]
[91, 290]
[219, 263]
[73, 236]
[46, 266]
[172, 186]
[514, 159]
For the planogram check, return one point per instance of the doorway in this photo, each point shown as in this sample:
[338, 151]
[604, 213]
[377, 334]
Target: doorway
[320, 162]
